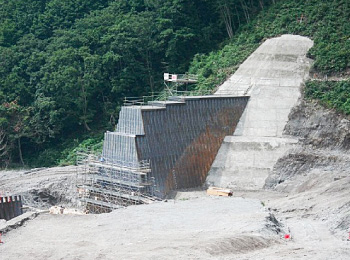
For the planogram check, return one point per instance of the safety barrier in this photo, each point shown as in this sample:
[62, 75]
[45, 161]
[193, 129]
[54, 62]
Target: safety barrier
[10, 207]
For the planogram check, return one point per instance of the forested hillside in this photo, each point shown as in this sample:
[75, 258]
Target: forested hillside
[66, 65]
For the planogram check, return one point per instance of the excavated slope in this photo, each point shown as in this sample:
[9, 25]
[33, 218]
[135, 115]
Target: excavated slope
[316, 172]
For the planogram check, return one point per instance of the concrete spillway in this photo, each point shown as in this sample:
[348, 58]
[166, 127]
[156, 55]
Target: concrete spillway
[179, 137]
[272, 76]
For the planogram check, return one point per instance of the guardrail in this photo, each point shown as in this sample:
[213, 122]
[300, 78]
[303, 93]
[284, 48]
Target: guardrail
[163, 96]
[10, 207]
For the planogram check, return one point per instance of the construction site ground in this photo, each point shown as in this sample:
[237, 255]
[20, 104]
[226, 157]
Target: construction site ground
[192, 226]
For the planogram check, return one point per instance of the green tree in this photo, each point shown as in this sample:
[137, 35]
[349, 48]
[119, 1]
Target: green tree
[13, 127]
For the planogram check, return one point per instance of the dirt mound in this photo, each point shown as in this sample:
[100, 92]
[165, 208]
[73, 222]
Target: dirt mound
[302, 160]
[41, 188]
[269, 235]
[239, 244]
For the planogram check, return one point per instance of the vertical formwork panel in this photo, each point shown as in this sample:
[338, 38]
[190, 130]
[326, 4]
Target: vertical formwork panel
[182, 141]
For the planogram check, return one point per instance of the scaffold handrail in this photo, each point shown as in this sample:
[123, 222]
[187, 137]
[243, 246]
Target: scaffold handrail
[117, 181]
[163, 96]
[141, 170]
[181, 78]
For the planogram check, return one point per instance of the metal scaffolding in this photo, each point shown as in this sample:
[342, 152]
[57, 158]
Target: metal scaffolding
[173, 81]
[104, 186]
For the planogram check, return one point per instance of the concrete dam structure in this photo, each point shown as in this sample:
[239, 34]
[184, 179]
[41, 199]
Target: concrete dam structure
[187, 141]
[179, 138]
[272, 76]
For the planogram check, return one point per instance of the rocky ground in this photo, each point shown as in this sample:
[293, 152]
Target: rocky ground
[307, 197]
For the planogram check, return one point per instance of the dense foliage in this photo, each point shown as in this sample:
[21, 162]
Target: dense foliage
[65, 65]
[332, 94]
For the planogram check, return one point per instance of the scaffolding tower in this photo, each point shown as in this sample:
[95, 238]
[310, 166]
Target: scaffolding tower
[104, 186]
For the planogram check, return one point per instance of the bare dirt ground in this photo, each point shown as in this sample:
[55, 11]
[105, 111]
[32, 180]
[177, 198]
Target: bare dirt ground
[197, 228]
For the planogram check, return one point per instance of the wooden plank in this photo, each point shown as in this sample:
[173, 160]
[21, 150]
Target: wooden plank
[215, 191]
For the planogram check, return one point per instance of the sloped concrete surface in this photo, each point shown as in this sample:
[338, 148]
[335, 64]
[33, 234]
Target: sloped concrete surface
[272, 76]
[254, 158]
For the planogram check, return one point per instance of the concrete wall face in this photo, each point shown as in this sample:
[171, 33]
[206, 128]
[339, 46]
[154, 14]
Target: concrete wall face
[180, 140]
[272, 77]
[130, 121]
[120, 148]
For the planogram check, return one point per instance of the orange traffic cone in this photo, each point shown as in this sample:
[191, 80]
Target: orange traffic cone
[0, 238]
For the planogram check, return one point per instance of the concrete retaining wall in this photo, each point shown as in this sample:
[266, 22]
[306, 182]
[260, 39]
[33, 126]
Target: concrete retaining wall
[180, 138]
